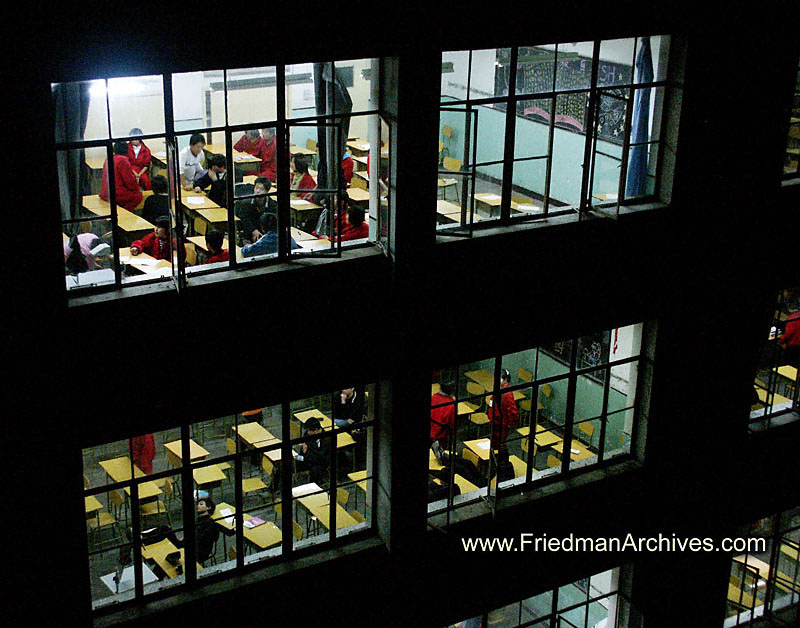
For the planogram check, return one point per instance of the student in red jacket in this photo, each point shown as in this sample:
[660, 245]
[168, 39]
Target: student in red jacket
[143, 450]
[506, 417]
[443, 418]
[216, 253]
[790, 340]
[125, 184]
[139, 156]
[347, 168]
[250, 143]
[354, 226]
[156, 244]
[301, 180]
[269, 155]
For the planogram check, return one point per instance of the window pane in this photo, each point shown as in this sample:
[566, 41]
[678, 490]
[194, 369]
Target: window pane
[508, 616]
[190, 91]
[553, 359]
[574, 65]
[537, 606]
[532, 132]
[483, 82]
[490, 126]
[252, 95]
[359, 77]
[535, 69]
[136, 102]
[568, 146]
[79, 105]
[659, 52]
[300, 90]
[619, 426]
[616, 62]
[455, 72]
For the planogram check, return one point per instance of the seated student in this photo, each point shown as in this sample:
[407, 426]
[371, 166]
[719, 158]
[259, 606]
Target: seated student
[443, 418]
[269, 155]
[139, 156]
[216, 253]
[206, 530]
[214, 177]
[249, 211]
[125, 184]
[251, 143]
[81, 253]
[348, 407]
[315, 455]
[301, 180]
[157, 205]
[347, 167]
[268, 243]
[156, 244]
[190, 161]
[354, 226]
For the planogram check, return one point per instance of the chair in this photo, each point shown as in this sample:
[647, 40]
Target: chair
[468, 454]
[85, 481]
[525, 411]
[479, 419]
[295, 431]
[101, 521]
[311, 144]
[200, 226]
[552, 461]
[588, 429]
[475, 389]
[251, 485]
[444, 144]
[232, 553]
[524, 375]
[355, 182]
[357, 516]
[519, 466]
[454, 165]
[342, 496]
[191, 253]
[278, 509]
[153, 509]
[119, 504]
[297, 530]
[524, 444]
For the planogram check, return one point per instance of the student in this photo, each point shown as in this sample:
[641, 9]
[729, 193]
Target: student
[139, 156]
[190, 161]
[269, 153]
[443, 418]
[315, 455]
[156, 244]
[125, 184]
[506, 417]
[301, 180]
[157, 205]
[347, 167]
[143, 450]
[215, 178]
[81, 252]
[354, 225]
[251, 142]
[348, 407]
[249, 211]
[206, 529]
[216, 253]
[268, 243]
[790, 339]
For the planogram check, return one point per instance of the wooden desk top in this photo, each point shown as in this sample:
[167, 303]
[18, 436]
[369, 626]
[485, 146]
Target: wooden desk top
[220, 149]
[446, 207]
[305, 415]
[360, 478]
[196, 452]
[208, 475]
[95, 163]
[465, 485]
[480, 447]
[196, 200]
[157, 552]
[545, 439]
[491, 199]
[357, 194]
[143, 262]
[482, 377]
[128, 221]
[253, 434]
[314, 245]
[93, 504]
[577, 446]
[215, 214]
[344, 439]
[776, 398]
[526, 207]
[119, 469]
[611, 196]
[318, 505]
[301, 236]
[755, 563]
[299, 204]
[466, 408]
[362, 147]
[524, 431]
[147, 490]
[787, 371]
[300, 150]
[264, 536]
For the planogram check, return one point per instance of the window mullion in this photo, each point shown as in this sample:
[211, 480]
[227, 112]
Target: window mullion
[508, 157]
[590, 133]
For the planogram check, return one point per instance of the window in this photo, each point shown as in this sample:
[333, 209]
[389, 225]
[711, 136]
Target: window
[518, 125]
[775, 396]
[580, 395]
[791, 167]
[765, 578]
[256, 486]
[160, 176]
[599, 600]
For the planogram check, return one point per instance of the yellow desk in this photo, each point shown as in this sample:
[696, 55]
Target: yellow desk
[360, 478]
[446, 208]
[789, 372]
[480, 447]
[215, 216]
[196, 200]
[238, 157]
[157, 553]
[318, 504]
[358, 148]
[299, 205]
[211, 474]
[95, 163]
[301, 236]
[776, 398]
[358, 195]
[300, 150]
[578, 451]
[305, 415]
[482, 377]
[606, 197]
[263, 537]
[196, 452]
[92, 504]
[253, 434]
[119, 470]
[465, 485]
[143, 262]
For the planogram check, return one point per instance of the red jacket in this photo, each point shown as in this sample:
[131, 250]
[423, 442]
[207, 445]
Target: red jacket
[442, 419]
[504, 419]
[791, 337]
[222, 256]
[347, 169]
[128, 193]
[306, 183]
[143, 160]
[349, 232]
[154, 247]
[269, 163]
[143, 450]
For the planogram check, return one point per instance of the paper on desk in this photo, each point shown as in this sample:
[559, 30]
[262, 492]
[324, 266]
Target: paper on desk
[297, 201]
[124, 259]
[611, 197]
[228, 514]
[490, 197]
[527, 206]
[195, 200]
[575, 451]
[146, 262]
[483, 445]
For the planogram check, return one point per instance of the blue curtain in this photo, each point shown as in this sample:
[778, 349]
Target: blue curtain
[636, 184]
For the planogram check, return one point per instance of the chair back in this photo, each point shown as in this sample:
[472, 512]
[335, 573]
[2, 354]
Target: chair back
[115, 497]
[342, 496]
[547, 390]
[468, 454]
[447, 131]
[191, 253]
[85, 481]
[476, 389]
[357, 516]
[587, 428]
[297, 530]
[200, 226]
[232, 553]
[168, 487]
[518, 464]
[267, 465]
[295, 431]
[552, 461]
[449, 163]
[311, 144]
[230, 445]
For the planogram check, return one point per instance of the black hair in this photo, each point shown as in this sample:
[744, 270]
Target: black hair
[120, 147]
[313, 424]
[447, 388]
[214, 239]
[136, 131]
[355, 214]
[217, 160]
[505, 374]
[268, 222]
[209, 503]
[163, 222]
[197, 137]
[263, 181]
[253, 133]
[269, 128]
[159, 184]
[76, 262]
[300, 163]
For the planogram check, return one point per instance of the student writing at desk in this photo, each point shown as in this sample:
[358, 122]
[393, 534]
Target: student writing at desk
[214, 178]
[126, 186]
[216, 253]
[249, 211]
[268, 243]
[139, 156]
[190, 161]
[156, 244]
[157, 205]
[315, 455]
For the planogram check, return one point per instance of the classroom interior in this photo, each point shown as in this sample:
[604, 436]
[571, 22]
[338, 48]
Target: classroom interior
[679, 444]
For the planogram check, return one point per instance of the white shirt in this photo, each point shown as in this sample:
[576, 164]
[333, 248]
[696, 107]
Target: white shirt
[136, 150]
[190, 166]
